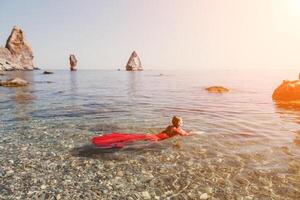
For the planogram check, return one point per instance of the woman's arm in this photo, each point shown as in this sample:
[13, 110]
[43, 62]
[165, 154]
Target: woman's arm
[183, 133]
[167, 130]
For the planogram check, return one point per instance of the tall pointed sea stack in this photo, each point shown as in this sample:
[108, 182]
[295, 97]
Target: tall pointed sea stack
[73, 62]
[134, 63]
[17, 54]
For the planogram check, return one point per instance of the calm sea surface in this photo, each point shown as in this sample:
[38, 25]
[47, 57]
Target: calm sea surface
[245, 145]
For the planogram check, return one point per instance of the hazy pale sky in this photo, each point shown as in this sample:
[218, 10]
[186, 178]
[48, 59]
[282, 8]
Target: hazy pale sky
[167, 34]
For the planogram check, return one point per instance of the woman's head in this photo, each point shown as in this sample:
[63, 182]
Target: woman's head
[177, 121]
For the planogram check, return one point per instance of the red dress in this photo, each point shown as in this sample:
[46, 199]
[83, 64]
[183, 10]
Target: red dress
[120, 139]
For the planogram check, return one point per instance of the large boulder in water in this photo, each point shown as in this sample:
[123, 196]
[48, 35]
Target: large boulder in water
[217, 89]
[134, 63]
[14, 82]
[47, 72]
[287, 91]
[17, 54]
[73, 62]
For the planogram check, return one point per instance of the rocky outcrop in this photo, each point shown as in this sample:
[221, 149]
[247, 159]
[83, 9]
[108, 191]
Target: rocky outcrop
[217, 89]
[47, 72]
[14, 82]
[287, 91]
[20, 49]
[7, 62]
[73, 62]
[17, 54]
[134, 63]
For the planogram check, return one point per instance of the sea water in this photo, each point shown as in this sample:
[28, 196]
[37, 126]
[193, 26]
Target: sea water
[244, 145]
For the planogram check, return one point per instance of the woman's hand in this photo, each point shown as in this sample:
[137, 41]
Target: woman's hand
[183, 133]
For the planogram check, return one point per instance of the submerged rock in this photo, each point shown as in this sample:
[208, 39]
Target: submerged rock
[17, 54]
[73, 62]
[287, 91]
[47, 72]
[217, 89]
[204, 196]
[14, 82]
[146, 195]
[134, 63]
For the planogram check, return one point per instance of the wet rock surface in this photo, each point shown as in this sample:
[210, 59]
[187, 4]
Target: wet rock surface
[217, 89]
[48, 72]
[14, 82]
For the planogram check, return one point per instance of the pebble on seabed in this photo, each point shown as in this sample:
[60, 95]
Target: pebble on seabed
[146, 195]
[37, 165]
[204, 196]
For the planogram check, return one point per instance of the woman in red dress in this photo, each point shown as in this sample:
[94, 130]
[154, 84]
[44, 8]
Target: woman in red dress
[118, 140]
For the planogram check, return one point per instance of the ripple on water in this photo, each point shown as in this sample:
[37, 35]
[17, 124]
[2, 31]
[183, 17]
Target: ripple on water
[245, 146]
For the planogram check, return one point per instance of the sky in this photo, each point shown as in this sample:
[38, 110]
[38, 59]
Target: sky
[167, 34]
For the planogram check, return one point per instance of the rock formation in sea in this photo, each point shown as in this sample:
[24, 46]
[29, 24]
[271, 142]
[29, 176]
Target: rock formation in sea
[73, 62]
[287, 91]
[14, 82]
[17, 53]
[47, 72]
[217, 89]
[134, 63]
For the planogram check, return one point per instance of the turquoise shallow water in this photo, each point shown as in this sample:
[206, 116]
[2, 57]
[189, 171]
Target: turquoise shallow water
[245, 145]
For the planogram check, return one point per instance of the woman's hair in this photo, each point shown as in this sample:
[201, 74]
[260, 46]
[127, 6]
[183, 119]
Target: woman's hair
[176, 120]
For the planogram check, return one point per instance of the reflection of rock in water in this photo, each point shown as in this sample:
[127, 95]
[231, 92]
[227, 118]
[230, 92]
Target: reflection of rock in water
[23, 97]
[297, 139]
[133, 81]
[26, 75]
[288, 106]
[73, 82]
[291, 107]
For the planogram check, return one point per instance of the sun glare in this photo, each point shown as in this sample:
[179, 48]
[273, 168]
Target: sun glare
[295, 7]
